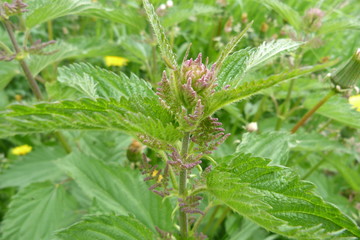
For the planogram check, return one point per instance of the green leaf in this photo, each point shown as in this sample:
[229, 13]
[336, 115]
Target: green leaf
[337, 108]
[224, 97]
[277, 200]
[342, 24]
[98, 82]
[180, 13]
[165, 48]
[237, 65]
[314, 142]
[36, 211]
[118, 190]
[37, 166]
[134, 116]
[7, 71]
[107, 227]
[43, 10]
[272, 145]
[285, 11]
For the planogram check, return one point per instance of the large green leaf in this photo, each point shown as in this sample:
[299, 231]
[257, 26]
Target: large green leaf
[133, 116]
[337, 108]
[38, 166]
[107, 227]
[98, 82]
[7, 71]
[118, 190]
[224, 97]
[241, 62]
[36, 211]
[272, 145]
[277, 200]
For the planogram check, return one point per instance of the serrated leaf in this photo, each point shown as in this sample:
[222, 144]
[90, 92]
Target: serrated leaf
[38, 166]
[107, 227]
[42, 10]
[36, 211]
[98, 82]
[133, 116]
[277, 200]
[337, 108]
[237, 65]
[165, 48]
[285, 11]
[7, 71]
[224, 97]
[180, 13]
[272, 145]
[118, 190]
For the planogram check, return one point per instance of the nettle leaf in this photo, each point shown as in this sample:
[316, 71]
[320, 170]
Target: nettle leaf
[224, 97]
[336, 108]
[285, 11]
[180, 13]
[37, 166]
[7, 71]
[107, 227]
[272, 145]
[238, 64]
[133, 116]
[165, 48]
[43, 10]
[36, 211]
[341, 24]
[98, 82]
[118, 190]
[275, 198]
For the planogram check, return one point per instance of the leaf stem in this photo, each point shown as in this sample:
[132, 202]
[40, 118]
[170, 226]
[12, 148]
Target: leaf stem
[182, 187]
[312, 111]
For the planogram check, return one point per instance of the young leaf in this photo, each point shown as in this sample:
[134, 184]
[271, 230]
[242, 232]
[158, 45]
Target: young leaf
[165, 48]
[38, 166]
[118, 190]
[36, 211]
[272, 145]
[277, 200]
[224, 97]
[107, 227]
[285, 11]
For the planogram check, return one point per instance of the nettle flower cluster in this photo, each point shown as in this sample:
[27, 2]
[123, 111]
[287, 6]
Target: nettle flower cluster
[185, 93]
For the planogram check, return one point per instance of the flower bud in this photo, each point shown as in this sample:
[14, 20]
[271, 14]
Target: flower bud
[313, 19]
[251, 127]
[348, 74]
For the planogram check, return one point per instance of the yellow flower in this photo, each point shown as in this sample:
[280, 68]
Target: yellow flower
[154, 173]
[159, 178]
[355, 101]
[115, 61]
[21, 150]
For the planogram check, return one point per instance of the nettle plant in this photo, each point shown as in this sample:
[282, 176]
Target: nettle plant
[176, 121]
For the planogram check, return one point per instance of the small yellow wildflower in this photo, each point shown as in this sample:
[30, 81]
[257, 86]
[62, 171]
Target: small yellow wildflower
[160, 178]
[154, 173]
[21, 150]
[115, 61]
[355, 101]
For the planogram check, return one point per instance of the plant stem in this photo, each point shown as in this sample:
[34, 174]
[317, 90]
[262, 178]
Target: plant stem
[182, 187]
[198, 221]
[315, 167]
[33, 84]
[50, 30]
[34, 87]
[285, 105]
[312, 111]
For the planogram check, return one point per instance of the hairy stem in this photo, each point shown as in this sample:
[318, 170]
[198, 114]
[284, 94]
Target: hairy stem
[182, 187]
[34, 87]
[312, 111]
[33, 84]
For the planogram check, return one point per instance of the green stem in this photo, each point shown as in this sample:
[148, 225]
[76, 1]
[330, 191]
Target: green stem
[312, 111]
[313, 169]
[50, 30]
[198, 221]
[5, 48]
[285, 104]
[182, 187]
[211, 220]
